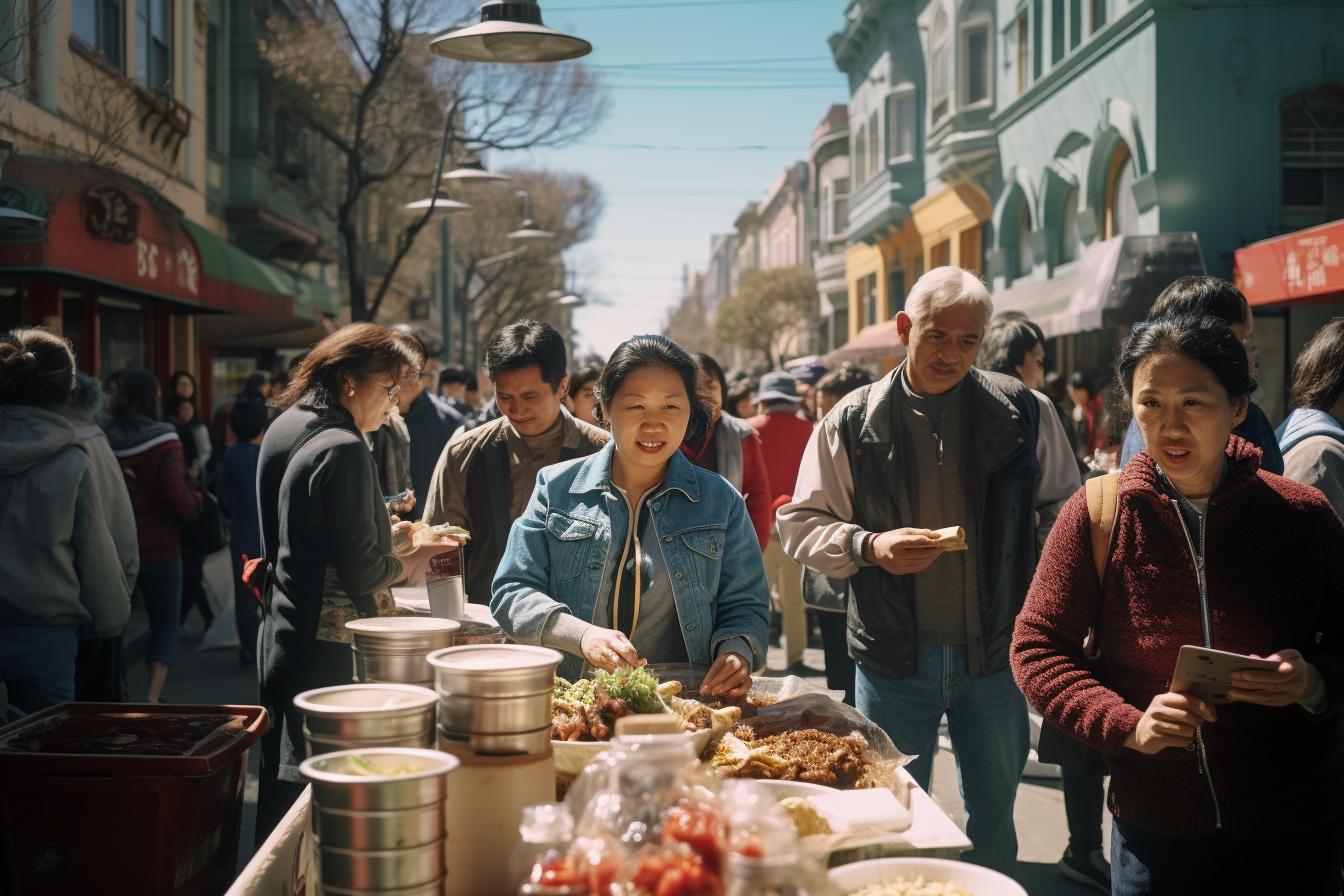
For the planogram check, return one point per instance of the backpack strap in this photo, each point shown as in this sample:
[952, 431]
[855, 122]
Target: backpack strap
[1103, 506]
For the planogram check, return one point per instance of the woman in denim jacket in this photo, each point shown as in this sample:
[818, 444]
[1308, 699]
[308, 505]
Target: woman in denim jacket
[685, 585]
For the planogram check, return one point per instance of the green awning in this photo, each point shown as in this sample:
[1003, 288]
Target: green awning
[232, 280]
[318, 295]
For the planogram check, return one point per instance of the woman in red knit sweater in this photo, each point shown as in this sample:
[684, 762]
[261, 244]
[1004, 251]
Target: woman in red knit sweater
[1207, 550]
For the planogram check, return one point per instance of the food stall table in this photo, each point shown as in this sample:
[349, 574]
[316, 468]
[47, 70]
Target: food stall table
[931, 833]
[282, 865]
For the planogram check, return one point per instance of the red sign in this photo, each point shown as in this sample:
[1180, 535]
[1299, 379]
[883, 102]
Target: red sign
[101, 227]
[1305, 267]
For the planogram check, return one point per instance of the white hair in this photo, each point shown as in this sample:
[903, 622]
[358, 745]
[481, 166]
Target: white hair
[943, 287]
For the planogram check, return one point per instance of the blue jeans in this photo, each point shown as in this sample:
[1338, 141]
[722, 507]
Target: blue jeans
[37, 664]
[987, 719]
[160, 584]
[1306, 862]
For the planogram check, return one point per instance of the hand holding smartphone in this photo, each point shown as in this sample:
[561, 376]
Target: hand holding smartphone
[1207, 673]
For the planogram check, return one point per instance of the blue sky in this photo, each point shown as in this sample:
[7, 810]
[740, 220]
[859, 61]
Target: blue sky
[662, 205]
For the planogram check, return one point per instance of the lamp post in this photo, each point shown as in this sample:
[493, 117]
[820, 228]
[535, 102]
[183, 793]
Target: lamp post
[528, 229]
[509, 31]
[469, 173]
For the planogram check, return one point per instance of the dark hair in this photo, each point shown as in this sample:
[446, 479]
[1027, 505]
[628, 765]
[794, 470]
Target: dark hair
[473, 384]
[653, 351]
[524, 343]
[178, 375]
[37, 368]
[1200, 296]
[578, 378]
[1318, 375]
[1206, 339]
[1005, 346]
[175, 403]
[844, 380]
[1080, 380]
[358, 350]
[248, 419]
[255, 380]
[450, 375]
[708, 365]
[139, 394]
[86, 399]
[742, 389]
[430, 343]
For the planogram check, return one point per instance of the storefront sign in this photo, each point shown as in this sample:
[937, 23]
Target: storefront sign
[110, 214]
[1301, 267]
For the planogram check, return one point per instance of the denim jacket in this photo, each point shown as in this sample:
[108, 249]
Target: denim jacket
[569, 537]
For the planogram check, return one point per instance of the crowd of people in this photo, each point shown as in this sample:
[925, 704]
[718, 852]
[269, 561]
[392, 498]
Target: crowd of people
[656, 508]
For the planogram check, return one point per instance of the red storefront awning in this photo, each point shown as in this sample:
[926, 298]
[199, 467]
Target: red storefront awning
[1303, 268]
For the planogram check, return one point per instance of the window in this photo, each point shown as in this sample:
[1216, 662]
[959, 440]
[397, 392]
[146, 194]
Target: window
[896, 286]
[1026, 258]
[98, 24]
[860, 156]
[1056, 31]
[874, 145]
[1313, 157]
[1070, 242]
[1075, 23]
[901, 127]
[940, 255]
[940, 66]
[976, 49]
[868, 299]
[840, 210]
[1098, 9]
[1037, 37]
[1022, 81]
[212, 89]
[1122, 210]
[154, 44]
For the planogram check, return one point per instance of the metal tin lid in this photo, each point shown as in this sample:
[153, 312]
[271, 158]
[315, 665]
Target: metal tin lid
[495, 659]
[361, 699]
[421, 764]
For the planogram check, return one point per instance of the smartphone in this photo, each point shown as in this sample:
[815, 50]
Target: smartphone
[1207, 673]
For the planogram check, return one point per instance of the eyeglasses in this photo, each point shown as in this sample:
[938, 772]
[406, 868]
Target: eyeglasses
[393, 391]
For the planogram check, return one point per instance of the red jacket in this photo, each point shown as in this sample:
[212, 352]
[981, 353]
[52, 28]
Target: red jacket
[156, 479]
[1272, 560]
[784, 437]
[755, 486]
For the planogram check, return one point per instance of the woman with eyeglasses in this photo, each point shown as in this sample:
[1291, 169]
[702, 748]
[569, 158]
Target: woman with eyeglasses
[326, 535]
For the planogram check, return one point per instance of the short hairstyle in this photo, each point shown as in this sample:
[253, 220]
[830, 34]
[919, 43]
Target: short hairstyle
[589, 374]
[358, 350]
[844, 380]
[1005, 346]
[450, 375]
[653, 351]
[1080, 380]
[248, 419]
[742, 389]
[1206, 339]
[1199, 295]
[1318, 375]
[138, 395]
[37, 368]
[707, 364]
[943, 287]
[524, 343]
[473, 384]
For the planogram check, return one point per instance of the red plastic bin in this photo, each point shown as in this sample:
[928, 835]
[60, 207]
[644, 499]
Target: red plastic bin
[111, 824]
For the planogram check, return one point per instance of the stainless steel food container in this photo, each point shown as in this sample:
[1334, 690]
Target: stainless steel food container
[380, 869]
[495, 715]
[434, 888]
[335, 789]
[420, 740]
[386, 829]
[394, 648]
[520, 744]
[494, 670]
[360, 711]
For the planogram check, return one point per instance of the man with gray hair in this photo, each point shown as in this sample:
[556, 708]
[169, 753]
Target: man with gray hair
[938, 444]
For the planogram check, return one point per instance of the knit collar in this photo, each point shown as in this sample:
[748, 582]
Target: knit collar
[1142, 475]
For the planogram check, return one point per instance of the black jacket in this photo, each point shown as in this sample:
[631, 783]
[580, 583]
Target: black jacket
[999, 429]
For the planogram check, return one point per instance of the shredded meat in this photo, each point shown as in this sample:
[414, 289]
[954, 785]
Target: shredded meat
[816, 757]
[576, 722]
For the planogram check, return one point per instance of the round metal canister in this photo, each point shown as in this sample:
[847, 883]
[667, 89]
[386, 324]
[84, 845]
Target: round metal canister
[385, 829]
[434, 888]
[525, 743]
[359, 711]
[495, 670]
[420, 740]
[380, 869]
[394, 648]
[495, 715]
[412, 778]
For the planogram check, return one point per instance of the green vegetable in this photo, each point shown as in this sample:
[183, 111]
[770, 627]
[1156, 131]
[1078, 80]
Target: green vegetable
[639, 689]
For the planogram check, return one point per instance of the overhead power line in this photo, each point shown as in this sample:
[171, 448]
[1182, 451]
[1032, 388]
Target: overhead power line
[694, 148]
[667, 5]
[698, 63]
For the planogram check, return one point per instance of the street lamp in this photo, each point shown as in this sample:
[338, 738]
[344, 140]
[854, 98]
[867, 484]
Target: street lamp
[572, 301]
[528, 229]
[474, 173]
[509, 31]
[440, 201]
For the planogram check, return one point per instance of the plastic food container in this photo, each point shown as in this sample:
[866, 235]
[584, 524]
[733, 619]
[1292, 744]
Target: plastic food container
[971, 878]
[495, 670]
[87, 822]
[395, 648]
[495, 715]
[351, 716]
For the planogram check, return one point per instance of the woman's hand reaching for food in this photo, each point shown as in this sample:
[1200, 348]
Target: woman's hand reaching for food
[1294, 681]
[1171, 720]
[730, 676]
[416, 563]
[607, 648]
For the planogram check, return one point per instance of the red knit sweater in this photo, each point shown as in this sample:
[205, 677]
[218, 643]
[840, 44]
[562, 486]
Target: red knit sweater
[1273, 551]
[162, 501]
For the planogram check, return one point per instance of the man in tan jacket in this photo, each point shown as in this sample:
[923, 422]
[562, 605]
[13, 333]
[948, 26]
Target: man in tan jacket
[485, 476]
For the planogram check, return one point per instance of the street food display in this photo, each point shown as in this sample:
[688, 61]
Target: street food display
[587, 710]
[808, 755]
